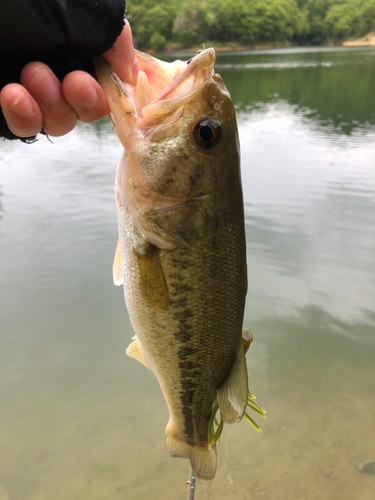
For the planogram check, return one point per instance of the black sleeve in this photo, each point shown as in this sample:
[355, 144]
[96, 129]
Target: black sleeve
[64, 34]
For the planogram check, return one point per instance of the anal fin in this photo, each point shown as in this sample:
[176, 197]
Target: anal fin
[134, 351]
[232, 395]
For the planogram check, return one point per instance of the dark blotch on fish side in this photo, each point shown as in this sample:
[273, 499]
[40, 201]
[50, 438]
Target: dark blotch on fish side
[186, 395]
[187, 365]
[184, 334]
[367, 467]
[186, 351]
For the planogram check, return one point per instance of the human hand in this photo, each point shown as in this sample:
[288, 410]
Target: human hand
[42, 102]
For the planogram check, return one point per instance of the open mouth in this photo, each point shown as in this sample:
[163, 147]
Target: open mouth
[161, 87]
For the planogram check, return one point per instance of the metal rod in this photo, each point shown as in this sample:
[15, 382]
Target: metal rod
[191, 484]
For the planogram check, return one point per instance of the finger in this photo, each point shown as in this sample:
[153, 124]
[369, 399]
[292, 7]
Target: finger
[85, 96]
[122, 57]
[20, 111]
[59, 117]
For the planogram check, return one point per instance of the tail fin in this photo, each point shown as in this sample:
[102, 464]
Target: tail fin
[232, 395]
[202, 458]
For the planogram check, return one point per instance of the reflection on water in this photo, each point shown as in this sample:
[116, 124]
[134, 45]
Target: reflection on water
[331, 87]
[78, 419]
[309, 204]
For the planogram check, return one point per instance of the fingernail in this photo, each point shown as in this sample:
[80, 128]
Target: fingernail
[84, 93]
[22, 106]
[45, 88]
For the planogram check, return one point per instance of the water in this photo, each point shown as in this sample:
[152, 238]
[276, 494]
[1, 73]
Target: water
[78, 419]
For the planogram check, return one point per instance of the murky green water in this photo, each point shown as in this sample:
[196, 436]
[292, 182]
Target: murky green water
[80, 420]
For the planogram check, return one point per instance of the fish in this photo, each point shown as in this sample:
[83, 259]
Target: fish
[3, 493]
[181, 253]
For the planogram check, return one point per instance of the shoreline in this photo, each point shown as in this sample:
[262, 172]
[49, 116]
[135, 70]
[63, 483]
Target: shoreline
[235, 48]
[366, 41]
[221, 48]
[230, 48]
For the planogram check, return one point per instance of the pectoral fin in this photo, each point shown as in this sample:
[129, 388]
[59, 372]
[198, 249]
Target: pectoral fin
[134, 351]
[118, 277]
[153, 285]
[232, 395]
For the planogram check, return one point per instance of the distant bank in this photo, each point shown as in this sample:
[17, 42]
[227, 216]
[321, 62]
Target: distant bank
[223, 48]
[368, 39]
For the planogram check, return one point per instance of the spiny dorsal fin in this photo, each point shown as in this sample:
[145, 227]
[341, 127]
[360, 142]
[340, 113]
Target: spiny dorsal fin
[232, 395]
[118, 277]
[134, 351]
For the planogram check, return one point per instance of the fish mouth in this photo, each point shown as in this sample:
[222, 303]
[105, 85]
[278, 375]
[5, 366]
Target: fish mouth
[179, 85]
[161, 88]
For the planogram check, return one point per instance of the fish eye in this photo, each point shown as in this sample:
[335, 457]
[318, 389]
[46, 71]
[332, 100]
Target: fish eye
[207, 133]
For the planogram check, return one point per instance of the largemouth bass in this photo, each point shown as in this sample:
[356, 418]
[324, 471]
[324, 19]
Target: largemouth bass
[181, 254]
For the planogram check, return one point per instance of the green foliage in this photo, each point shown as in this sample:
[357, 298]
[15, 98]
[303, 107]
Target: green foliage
[189, 38]
[191, 23]
[278, 20]
[314, 12]
[149, 19]
[157, 41]
[351, 18]
[239, 20]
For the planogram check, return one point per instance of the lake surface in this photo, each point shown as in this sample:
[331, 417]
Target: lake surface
[80, 420]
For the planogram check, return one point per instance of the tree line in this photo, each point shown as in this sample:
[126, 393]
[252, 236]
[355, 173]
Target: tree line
[182, 23]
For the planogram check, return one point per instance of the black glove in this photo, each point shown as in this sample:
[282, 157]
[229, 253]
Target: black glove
[64, 34]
